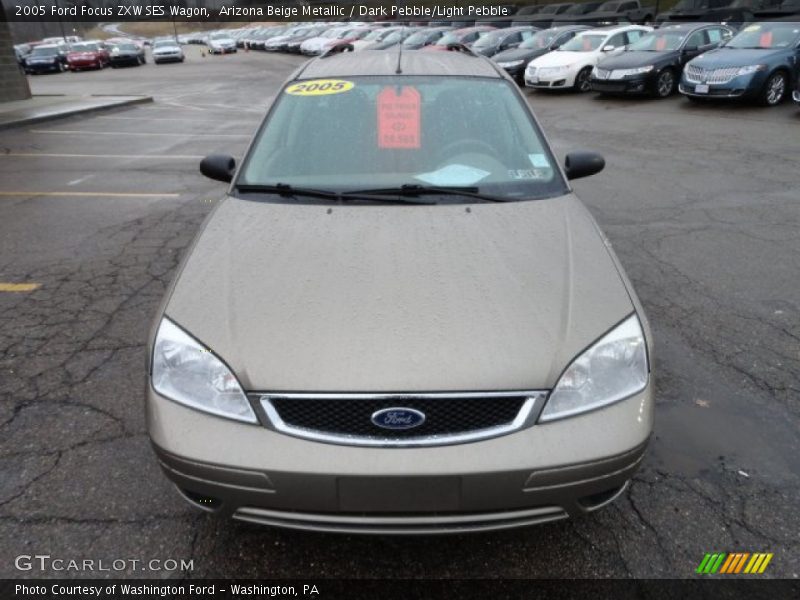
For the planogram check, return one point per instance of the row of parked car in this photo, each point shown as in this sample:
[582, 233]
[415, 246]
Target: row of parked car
[759, 61]
[74, 54]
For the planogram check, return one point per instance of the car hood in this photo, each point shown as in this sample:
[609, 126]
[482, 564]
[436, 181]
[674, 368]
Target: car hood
[166, 49]
[399, 298]
[560, 58]
[634, 58]
[519, 54]
[735, 57]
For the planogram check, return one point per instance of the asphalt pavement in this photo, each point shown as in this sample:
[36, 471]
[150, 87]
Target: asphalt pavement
[700, 202]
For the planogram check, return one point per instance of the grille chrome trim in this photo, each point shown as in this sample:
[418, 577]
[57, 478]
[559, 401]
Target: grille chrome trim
[714, 76]
[405, 524]
[527, 416]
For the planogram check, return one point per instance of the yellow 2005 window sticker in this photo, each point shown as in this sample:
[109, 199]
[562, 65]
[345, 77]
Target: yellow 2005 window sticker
[320, 87]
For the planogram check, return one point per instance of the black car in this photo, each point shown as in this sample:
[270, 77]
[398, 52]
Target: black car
[46, 58]
[654, 63]
[126, 54]
[502, 39]
[424, 37]
[515, 61]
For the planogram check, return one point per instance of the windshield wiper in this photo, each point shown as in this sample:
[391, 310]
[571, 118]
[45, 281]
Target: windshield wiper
[412, 189]
[286, 190]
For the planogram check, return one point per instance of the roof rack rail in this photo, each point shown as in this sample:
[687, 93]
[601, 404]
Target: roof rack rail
[458, 47]
[338, 49]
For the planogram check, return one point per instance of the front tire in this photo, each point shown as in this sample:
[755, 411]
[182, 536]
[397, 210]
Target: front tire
[665, 84]
[582, 80]
[774, 90]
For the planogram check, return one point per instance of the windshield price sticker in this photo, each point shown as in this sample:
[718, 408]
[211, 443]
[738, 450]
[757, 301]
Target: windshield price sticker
[320, 87]
[399, 118]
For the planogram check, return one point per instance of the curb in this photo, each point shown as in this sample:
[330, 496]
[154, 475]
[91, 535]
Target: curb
[77, 111]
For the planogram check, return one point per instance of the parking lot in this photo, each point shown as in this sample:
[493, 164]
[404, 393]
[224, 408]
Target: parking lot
[700, 202]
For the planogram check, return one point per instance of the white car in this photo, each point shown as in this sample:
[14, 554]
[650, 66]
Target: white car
[313, 46]
[570, 66]
[167, 51]
[221, 43]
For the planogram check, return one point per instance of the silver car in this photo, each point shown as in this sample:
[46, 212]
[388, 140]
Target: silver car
[400, 318]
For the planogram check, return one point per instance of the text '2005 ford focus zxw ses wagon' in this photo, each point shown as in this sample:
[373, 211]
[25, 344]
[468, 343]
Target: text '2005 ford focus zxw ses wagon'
[400, 319]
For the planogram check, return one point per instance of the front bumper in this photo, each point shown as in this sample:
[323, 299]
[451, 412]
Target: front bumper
[124, 60]
[85, 63]
[543, 473]
[174, 57]
[41, 67]
[629, 85]
[551, 82]
[738, 87]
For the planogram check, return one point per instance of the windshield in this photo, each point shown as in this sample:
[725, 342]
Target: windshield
[659, 41]
[220, 36]
[163, 43]
[440, 131]
[416, 38]
[127, 47]
[584, 43]
[608, 7]
[42, 51]
[550, 9]
[490, 39]
[543, 39]
[85, 47]
[766, 35]
[375, 35]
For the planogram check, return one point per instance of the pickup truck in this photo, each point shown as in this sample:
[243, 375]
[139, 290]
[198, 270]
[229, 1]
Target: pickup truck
[618, 11]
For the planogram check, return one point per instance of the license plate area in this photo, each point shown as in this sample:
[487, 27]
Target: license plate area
[701, 88]
[399, 494]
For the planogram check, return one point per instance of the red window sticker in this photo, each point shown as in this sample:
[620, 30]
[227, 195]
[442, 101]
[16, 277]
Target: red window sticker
[766, 40]
[661, 43]
[398, 118]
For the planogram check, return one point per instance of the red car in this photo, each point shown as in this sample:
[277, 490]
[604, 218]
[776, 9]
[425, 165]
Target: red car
[466, 36]
[87, 55]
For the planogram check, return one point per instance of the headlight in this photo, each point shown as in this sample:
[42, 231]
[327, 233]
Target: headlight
[612, 369]
[188, 373]
[510, 64]
[620, 73]
[750, 69]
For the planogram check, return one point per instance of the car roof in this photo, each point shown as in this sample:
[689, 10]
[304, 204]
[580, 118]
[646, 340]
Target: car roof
[352, 64]
[616, 28]
[688, 26]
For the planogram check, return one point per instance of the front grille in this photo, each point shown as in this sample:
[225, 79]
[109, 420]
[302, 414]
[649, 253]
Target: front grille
[718, 76]
[449, 418]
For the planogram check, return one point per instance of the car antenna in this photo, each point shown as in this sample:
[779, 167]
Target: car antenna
[399, 70]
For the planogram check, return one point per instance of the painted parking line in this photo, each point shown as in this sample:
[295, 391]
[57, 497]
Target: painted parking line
[133, 156]
[18, 287]
[92, 194]
[140, 133]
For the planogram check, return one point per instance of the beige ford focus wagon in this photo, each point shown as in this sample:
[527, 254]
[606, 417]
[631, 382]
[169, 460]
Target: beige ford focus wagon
[400, 319]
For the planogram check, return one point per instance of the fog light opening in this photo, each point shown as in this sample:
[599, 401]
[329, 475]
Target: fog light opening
[599, 500]
[203, 501]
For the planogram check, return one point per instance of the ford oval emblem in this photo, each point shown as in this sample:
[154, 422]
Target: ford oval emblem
[398, 418]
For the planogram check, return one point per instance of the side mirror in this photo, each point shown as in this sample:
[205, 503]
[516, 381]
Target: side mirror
[690, 48]
[220, 167]
[608, 48]
[583, 164]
